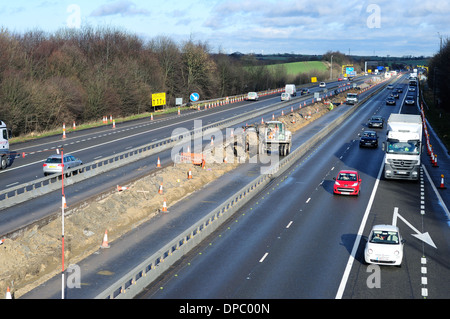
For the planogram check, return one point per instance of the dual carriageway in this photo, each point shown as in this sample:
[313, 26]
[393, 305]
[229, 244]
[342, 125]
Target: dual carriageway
[293, 240]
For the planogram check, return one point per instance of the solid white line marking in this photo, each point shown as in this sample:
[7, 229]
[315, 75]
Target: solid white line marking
[11, 184]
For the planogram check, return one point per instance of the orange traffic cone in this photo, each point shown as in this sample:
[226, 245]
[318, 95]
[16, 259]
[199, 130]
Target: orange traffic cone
[435, 164]
[189, 174]
[121, 188]
[158, 164]
[105, 240]
[64, 130]
[164, 208]
[442, 186]
[74, 125]
[160, 190]
[64, 202]
[114, 123]
[8, 294]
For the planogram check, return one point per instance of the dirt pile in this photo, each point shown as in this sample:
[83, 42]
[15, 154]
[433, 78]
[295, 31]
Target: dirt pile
[35, 256]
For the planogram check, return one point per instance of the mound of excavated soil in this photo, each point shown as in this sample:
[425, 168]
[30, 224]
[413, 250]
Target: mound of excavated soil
[35, 255]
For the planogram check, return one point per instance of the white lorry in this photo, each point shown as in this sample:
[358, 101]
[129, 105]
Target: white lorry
[291, 89]
[352, 98]
[403, 146]
[5, 135]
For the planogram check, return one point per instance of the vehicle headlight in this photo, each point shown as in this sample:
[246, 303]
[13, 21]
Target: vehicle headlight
[396, 253]
[337, 183]
[355, 184]
[369, 251]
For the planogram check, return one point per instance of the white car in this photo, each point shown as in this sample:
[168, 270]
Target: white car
[322, 85]
[252, 96]
[285, 96]
[384, 246]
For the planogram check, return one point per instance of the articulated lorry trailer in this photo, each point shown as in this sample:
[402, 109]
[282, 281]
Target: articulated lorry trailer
[403, 147]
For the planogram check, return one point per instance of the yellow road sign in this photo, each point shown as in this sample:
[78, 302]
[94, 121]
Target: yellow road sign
[159, 99]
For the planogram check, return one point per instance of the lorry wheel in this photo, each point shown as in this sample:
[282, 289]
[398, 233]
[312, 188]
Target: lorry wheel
[4, 162]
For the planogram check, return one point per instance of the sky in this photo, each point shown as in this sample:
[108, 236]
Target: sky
[357, 27]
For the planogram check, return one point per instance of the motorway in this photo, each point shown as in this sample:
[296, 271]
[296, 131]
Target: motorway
[297, 240]
[281, 244]
[95, 144]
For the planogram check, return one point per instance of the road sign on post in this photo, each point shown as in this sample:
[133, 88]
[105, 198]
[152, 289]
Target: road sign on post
[158, 99]
[194, 97]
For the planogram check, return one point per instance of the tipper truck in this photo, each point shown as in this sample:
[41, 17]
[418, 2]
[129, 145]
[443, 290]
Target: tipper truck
[403, 146]
[265, 137]
[5, 135]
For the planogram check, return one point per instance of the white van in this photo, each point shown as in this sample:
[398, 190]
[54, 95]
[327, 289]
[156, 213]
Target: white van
[252, 96]
[285, 96]
[291, 89]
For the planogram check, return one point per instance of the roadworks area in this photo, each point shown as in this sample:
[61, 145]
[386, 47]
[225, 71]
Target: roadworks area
[34, 256]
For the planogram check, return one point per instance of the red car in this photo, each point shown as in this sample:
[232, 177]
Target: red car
[347, 182]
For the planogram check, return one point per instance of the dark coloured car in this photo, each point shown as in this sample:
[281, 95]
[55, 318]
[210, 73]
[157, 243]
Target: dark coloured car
[304, 91]
[368, 139]
[390, 100]
[376, 121]
[399, 90]
[410, 100]
[395, 94]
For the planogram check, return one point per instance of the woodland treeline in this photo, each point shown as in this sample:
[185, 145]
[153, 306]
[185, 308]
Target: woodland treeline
[84, 74]
[438, 77]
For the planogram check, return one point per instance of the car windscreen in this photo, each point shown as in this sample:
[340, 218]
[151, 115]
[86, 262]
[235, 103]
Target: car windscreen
[347, 177]
[53, 160]
[384, 237]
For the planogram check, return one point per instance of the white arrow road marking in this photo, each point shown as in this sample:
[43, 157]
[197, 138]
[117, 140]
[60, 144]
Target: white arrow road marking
[425, 237]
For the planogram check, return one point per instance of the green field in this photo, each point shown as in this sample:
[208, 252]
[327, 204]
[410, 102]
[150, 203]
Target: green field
[295, 68]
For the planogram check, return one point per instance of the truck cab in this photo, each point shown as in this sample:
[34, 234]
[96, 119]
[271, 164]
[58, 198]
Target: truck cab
[403, 147]
[352, 98]
[5, 135]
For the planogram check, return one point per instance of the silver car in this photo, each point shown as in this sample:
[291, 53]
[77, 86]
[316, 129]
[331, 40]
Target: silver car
[53, 164]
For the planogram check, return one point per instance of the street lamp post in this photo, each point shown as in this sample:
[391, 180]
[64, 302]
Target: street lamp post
[331, 69]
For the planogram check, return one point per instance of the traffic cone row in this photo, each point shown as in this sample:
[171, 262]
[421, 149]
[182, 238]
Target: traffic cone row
[433, 156]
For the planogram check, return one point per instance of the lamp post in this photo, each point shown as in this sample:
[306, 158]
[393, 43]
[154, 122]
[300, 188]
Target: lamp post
[331, 69]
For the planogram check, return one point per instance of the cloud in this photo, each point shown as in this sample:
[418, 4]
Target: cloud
[121, 7]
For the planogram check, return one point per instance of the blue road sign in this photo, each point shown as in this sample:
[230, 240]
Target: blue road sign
[194, 97]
